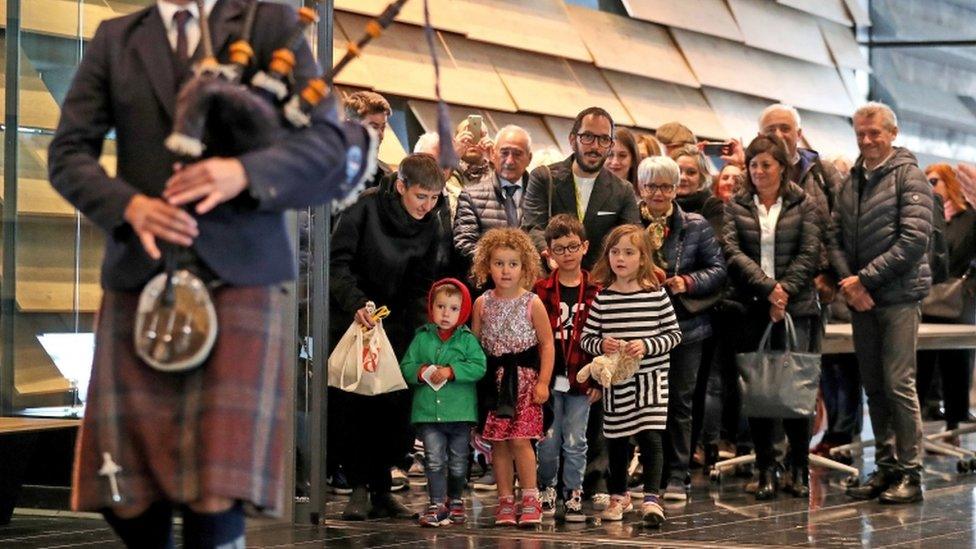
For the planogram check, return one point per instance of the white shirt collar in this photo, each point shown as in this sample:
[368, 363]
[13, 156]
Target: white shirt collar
[168, 9]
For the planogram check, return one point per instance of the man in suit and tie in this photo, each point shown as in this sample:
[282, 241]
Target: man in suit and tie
[209, 441]
[581, 186]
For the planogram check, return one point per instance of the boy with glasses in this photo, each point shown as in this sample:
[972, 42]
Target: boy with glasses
[567, 294]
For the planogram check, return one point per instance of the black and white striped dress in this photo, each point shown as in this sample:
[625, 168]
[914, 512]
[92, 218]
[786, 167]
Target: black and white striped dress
[640, 403]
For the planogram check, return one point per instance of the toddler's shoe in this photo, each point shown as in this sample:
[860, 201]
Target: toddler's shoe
[436, 515]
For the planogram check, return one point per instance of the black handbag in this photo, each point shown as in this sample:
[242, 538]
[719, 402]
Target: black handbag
[779, 384]
[946, 300]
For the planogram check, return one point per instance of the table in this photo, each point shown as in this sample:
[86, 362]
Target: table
[838, 339]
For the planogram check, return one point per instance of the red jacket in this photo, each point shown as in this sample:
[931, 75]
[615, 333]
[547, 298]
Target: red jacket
[576, 358]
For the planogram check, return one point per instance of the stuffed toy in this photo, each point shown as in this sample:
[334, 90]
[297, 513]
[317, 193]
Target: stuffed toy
[609, 369]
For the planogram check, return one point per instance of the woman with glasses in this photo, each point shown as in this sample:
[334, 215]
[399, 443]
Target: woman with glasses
[955, 365]
[772, 241]
[690, 255]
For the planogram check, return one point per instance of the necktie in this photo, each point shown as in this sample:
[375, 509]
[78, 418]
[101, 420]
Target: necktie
[182, 44]
[511, 209]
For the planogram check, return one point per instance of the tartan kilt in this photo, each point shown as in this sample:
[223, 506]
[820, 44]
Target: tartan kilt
[217, 431]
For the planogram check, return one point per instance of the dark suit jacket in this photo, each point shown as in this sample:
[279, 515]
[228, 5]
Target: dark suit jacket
[125, 81]
[612, 203]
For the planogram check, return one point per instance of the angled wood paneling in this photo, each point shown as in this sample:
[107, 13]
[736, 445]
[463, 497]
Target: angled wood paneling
[731, 66]
[629, 45]
[541, 138]
[600, 93]
[829, 134]
[779, 29]
[444, 14]
[843, 46]
[738, 113]
[539, 83]
[653, 103]
[541, 26]
[834, 10]
[706, 16]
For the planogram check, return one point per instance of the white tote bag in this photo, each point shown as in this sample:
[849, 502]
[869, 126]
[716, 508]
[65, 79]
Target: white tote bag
[363, 363]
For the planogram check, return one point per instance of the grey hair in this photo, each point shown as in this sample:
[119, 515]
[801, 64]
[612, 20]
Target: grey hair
[658, 167]
[515, 129]
[877, 108]
[781, 107]
[427, 143]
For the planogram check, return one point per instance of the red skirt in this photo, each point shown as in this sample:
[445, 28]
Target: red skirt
[527, 422]
[217, 431]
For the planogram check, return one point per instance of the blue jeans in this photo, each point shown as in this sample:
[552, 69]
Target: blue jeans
[568, 433]
[446, 474]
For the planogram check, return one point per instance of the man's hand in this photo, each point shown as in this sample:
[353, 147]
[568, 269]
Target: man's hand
[676, 284]
[152, 218]
[857, 296]
[736, 154]
[212, 181]
[594, 394]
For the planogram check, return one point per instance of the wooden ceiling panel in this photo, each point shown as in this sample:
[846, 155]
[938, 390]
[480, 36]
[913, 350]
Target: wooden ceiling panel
[629, 45]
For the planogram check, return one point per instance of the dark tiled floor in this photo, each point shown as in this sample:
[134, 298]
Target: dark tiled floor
[715, 516]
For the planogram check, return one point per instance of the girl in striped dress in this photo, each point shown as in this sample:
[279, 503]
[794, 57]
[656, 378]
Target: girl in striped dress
[633, 315]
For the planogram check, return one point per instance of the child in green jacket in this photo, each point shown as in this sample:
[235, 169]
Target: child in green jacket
[443, 363]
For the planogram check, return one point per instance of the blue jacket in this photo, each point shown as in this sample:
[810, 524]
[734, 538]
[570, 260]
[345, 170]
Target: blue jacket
[690, 238]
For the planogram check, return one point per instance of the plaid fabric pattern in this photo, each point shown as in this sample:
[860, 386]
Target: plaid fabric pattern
[217, 431]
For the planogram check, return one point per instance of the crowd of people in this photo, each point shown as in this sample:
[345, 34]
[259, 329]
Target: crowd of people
[636, 247]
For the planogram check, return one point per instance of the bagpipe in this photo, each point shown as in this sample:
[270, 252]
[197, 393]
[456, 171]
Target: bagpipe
[219, 114]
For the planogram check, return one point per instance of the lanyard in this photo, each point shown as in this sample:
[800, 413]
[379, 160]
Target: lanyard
[580, 207]
[577, 326]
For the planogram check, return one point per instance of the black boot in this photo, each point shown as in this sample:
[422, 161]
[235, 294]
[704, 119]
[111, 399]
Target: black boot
[358, 506]
[767, 484]
[908, 489]
[387, 506]
[877, 482]
[800, 482]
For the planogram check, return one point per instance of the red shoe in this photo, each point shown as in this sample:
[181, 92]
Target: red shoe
[505, 514]
[531, 511]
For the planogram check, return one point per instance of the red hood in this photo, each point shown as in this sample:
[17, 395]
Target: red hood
[465, 299]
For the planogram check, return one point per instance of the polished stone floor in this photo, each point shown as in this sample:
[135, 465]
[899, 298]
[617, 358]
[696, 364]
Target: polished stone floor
[716, 515]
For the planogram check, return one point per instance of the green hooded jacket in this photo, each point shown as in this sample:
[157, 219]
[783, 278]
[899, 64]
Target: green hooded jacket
[457, 400]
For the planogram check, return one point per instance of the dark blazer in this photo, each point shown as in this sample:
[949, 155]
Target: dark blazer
[126, 82]
[611, 204]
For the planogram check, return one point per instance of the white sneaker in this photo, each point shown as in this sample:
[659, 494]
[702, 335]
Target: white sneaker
[547, 498]
[600, 501]
[619, 506]
[574, 508]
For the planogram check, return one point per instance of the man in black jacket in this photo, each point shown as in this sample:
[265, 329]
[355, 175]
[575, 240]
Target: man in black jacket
[883, 221]
[581, 186]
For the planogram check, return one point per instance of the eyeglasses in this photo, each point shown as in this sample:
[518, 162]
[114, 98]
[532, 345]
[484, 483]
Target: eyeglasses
[572, 248]
[933, 181]
[588, 138]
[651, 189]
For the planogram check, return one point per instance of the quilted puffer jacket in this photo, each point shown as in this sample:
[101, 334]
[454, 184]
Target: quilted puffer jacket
[797, 250]
[881, 230]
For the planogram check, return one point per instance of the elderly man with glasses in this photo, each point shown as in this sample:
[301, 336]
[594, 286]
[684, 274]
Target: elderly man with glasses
[581, 186]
